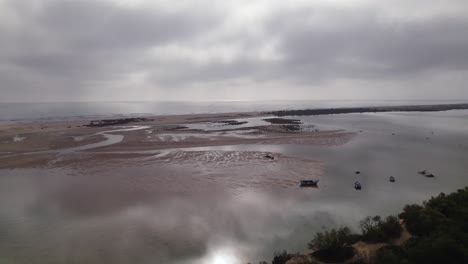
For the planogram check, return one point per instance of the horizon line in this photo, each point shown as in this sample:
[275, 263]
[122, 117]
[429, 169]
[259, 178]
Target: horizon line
[206, 101]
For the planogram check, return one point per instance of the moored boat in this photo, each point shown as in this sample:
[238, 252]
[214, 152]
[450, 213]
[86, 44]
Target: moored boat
[309, 183]
[357, 185]
[426, 174]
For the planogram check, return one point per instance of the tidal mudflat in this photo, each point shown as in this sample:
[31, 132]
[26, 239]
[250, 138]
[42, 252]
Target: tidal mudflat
[208, 188]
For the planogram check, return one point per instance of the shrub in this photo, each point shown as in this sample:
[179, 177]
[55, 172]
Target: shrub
[370, 227]
[390, 255]
[375, 230]
[412, 214]
[333, 245]
[440, 229]
[282, 257]
[422, 221]
[438, 249]
[333, 239]
[391, 227]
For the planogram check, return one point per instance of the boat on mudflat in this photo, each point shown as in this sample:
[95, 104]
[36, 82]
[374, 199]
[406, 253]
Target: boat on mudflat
[309, 183]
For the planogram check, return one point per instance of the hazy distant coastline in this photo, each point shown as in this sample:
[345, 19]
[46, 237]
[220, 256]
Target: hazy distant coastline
[376, 109]
[11, 113]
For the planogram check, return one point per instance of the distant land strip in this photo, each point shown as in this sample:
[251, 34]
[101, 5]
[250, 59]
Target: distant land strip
[376, 109]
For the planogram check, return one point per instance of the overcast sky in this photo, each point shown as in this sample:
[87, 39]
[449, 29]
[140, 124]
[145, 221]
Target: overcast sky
[104, 50]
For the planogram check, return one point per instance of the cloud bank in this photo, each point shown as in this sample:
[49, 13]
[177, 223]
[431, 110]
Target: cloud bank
[65, 50]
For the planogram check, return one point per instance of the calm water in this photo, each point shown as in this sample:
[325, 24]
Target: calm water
[23, 112]
[97, 215]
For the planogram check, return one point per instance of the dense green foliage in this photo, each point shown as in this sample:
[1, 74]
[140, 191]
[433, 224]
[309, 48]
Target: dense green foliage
[333, 245]
[439, 228]
[390, 255]
[282, 257]
[375, 230]
[333, 239]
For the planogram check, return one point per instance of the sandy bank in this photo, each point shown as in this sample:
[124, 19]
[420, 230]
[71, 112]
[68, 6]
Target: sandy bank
[161, 132]
[56, 144]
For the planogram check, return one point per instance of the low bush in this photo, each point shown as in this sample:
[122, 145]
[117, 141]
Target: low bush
[333, 245]
[376, 230]
[390, 255]
[282, 257]
[439, 228]
[329, 240]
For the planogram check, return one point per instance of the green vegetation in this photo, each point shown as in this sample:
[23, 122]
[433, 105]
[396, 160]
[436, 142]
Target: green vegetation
[333, 245]
[390, 255]
[374, 230]
[283, 257]
[439, 230]
[332, 239]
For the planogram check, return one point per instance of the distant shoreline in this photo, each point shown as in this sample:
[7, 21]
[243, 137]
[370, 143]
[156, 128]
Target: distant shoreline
[51, 125]
[376, 109]
[62, 114]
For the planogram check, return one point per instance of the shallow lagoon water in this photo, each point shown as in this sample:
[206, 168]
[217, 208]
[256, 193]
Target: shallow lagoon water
[125, 213]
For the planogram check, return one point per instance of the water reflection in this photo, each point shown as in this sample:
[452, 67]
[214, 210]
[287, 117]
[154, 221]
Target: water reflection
[142, 211]
[120, 219]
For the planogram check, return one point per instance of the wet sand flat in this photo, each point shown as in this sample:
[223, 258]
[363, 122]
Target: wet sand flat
[61, 134]
[148, 135]
[169, 144]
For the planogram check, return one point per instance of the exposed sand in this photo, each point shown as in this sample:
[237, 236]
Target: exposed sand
[168, 152]
[38, 144]
[63, 134]
[25, 161]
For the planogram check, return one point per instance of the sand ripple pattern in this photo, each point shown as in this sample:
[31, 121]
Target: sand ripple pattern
[239, 170]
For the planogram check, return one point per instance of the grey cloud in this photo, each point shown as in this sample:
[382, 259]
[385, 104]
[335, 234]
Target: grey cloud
[98, 25]
[78, 42]
[353, 46]
[365, 47]
[80, 49]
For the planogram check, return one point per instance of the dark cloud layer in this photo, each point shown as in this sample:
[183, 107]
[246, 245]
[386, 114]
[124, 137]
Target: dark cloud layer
[366, 48]
[111, 50]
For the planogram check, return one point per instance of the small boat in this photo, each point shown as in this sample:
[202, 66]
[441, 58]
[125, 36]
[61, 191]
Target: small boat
[392, 179]
[357, 185]
[426, 174]
[309, 183]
